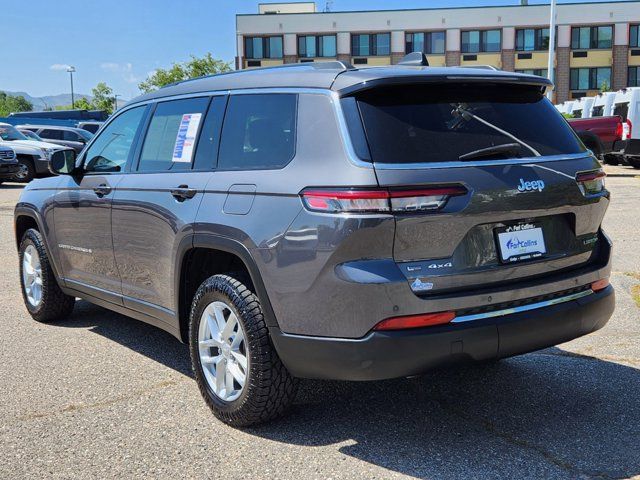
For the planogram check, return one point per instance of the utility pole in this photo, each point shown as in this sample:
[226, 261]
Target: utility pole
[552, 47]
[115, 101]
[72, 69]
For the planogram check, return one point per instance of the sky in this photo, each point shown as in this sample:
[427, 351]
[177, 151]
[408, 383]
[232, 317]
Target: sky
[121, 41]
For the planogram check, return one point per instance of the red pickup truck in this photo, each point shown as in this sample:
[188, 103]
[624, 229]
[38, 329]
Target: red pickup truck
[600, 135]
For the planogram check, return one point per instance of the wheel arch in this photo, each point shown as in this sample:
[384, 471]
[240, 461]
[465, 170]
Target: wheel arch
[25, 218]
[226, 255]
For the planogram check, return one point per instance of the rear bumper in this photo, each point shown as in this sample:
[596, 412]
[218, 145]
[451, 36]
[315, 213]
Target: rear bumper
[627, 148]
[382, 355]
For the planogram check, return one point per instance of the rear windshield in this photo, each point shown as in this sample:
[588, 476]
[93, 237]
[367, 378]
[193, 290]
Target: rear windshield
[443, 123]
[622, 109]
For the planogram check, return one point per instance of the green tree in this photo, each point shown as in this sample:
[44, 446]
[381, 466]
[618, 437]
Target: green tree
[102, 98]
[79, 104]
[193, 68]
[605, 87]
[10, 104]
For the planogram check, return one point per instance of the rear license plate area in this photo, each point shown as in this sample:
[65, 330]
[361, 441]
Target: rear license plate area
[520, 242]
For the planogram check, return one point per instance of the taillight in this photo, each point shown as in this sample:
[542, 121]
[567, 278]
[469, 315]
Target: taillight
[600, 284]
[416, 321]
[379, 201]
[626, 130]
[592, 182]
[619, 131]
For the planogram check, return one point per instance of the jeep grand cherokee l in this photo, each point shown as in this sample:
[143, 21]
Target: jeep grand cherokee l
[322, 221]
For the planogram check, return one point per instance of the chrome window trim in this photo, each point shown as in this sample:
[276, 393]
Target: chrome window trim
[522, 308]
[482, 163]
[334, 96]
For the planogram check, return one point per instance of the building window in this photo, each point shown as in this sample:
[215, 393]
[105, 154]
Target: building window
[476, 41]
[427, 42]
[540, 72]
[532, 39]
[257, 48]
[375, 44]
[634, 77]
[633, 36]
[589, 78]
[315, 46]
[585, 38]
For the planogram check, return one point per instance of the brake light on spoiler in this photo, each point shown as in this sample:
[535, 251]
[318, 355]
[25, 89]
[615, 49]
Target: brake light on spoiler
[426, 199]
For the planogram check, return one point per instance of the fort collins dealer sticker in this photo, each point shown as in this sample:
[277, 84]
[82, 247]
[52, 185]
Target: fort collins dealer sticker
[521, 242]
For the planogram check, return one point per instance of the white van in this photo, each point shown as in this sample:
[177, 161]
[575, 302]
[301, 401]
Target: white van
[603, 104]
[581, 108]
[627, 105]
[567, 106]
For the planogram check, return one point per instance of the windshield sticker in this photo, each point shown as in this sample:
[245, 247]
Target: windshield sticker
[186, 138]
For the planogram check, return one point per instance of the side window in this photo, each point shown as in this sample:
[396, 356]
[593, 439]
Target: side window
[51, 134]
[110, 150]
[70, 136]
[172, 135]
[259, 132]
[207, 150]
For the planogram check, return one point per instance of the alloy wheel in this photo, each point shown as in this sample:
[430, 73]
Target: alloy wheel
[32, 275]
[223, 351]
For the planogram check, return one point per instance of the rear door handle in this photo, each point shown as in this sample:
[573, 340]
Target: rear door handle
[183, 192]
[102, 190]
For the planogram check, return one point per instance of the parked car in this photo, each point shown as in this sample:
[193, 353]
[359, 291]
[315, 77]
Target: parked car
[30, 135]
[91, 127]
[627, 106]
[71, 137]
[458, 219]
[33, 156]
[8, 163]
[600, 135]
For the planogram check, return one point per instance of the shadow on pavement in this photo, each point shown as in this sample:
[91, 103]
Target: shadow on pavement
[550, 414]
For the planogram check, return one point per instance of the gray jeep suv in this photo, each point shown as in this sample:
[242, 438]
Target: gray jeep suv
[322, 221]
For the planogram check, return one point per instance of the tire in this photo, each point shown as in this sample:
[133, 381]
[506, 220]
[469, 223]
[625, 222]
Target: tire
[53, 304]
[27, 171]
[268, 388]
[611, 160]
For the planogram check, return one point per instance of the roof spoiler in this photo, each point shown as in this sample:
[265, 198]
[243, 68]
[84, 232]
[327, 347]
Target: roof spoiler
[415, 59]
[483, 67]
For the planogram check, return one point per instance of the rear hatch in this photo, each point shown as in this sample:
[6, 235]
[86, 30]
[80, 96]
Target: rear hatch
[501, 188]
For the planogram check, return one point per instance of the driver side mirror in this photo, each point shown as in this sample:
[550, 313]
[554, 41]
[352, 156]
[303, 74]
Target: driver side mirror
[63, 162]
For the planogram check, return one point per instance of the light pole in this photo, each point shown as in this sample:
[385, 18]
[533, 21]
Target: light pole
[552, 46]
[72, 69]
[115, 101]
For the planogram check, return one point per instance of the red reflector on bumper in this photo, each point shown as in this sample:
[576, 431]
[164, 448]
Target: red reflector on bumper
[600, 285]
[415, 321]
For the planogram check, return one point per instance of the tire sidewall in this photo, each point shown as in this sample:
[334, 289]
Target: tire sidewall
[212, 292]
[31, 238]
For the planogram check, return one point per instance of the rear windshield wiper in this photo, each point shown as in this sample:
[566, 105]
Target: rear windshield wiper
[466, 114]
[507, 148]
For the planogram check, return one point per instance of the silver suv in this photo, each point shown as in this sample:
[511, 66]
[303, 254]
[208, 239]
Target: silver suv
[322, 221]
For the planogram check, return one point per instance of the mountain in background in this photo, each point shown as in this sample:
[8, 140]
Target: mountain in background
[49, 101]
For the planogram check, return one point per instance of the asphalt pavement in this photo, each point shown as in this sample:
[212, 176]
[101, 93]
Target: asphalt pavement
[104, 396]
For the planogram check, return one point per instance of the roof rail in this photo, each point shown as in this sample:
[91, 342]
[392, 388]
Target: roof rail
[415, 59]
